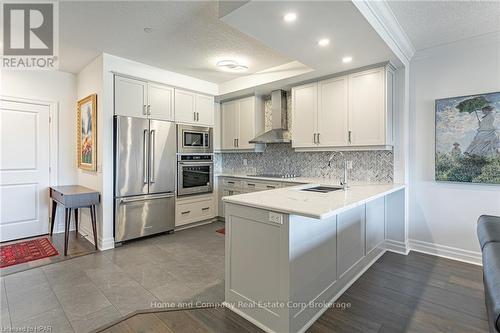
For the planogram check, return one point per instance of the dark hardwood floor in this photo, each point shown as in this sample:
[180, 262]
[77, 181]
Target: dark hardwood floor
[414, 293]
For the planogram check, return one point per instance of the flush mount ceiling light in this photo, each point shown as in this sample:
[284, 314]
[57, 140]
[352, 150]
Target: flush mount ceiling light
[346, 60]
[230, 66]
[289, 17]
[324, 42]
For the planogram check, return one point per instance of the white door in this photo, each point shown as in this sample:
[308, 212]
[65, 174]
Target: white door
[24, 169]
[332, 112]
[230, 124]
[161, 102]
[304, 115]
[246, 123]
[130, 97]
[367, 107]
[205, 110]
[185, 106]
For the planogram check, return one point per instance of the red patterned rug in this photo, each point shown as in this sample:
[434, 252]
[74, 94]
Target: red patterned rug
[221, 231]
[24, 251]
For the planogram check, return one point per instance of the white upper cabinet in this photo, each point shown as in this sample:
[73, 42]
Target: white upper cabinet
[332, 112]
[160, 102]
[353, 111]
[242, 120]
[367, 108]
[230, 124]
[204, 107]
[304, 118]
[143, 99]
[130, 97]
[185, 106]
[137, 98]
[193, 108]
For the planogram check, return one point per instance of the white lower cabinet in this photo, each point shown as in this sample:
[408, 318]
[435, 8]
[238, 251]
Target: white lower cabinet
[350, 238]
[375, 224]
[194, 209]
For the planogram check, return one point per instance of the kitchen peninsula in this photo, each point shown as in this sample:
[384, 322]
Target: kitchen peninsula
[291, 252]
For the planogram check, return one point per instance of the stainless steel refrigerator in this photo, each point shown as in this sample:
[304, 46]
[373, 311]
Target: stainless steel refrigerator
[145, 161]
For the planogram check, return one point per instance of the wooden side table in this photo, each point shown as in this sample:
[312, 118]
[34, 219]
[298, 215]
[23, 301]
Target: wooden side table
[73, 197]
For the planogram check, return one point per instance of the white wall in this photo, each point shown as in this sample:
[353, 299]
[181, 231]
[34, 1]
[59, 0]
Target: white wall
[51, 86]
[89, 81]
[443, 216]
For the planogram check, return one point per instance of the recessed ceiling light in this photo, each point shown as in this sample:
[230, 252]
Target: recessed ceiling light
[148, 30]
[324, 42]
[346, 60]
[231, 66]
[290, 17]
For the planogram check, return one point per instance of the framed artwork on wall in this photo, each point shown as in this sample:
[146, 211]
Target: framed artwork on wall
[87, 133]
[468, 139]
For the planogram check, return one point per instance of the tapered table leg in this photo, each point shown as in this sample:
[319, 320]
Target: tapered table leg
[76, 221]
[53, 217]
[94, 226]
[67, 221]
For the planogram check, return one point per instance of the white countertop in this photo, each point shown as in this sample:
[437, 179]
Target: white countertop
[291, 200]
[298, 180]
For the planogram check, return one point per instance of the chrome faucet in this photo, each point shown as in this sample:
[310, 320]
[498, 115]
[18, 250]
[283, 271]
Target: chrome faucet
[343, 181]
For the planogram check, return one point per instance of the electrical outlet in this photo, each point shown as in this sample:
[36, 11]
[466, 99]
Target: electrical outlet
[275, 218]
[245, 162]
[349, 165]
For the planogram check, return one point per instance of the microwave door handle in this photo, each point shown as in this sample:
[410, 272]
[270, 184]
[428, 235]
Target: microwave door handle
[152, 143]
[144, 157]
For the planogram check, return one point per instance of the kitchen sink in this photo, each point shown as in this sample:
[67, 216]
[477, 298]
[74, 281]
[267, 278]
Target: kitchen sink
[322, 189]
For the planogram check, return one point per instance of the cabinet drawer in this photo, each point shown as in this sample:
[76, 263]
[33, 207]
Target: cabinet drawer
[189, 212]
[233, 183]
[226, 192]
[253, 186]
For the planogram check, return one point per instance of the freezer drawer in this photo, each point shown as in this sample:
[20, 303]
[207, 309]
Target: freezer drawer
[143, 215]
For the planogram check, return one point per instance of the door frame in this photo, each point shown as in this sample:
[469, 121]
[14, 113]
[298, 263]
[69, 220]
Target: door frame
[53, 137]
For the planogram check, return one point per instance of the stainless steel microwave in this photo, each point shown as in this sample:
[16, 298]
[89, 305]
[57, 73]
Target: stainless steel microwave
[194, 139]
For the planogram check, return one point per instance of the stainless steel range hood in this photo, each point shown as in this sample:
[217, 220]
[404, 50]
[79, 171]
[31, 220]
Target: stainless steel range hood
[279, 132]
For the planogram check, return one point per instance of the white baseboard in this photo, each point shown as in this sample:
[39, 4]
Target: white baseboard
[397, 247]
[471, 257]
[247, 317]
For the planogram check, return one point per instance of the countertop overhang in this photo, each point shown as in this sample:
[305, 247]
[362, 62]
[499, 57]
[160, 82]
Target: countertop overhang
[293, 201]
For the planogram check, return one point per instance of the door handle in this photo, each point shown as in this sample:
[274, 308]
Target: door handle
[197, 116]
[318, 137]
[194, 116]
[162, 196]
[350, 136]
[144, 157]
[237, 142]
[314, 138]
[149, 109]
[234, 143]
[144, 111]
[152, 144]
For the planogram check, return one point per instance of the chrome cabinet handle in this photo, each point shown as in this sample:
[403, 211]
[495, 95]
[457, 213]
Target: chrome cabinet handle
[271, 187]
[253, 185]
[149, 109]
[144, 157]
[144, 109]
[230, 183]
[350, 136]
[205, 208]
[152, 143]
[318, 138]
[186, 212]
[197, 116]
[194, 116]
[237, 142]
[314, 138]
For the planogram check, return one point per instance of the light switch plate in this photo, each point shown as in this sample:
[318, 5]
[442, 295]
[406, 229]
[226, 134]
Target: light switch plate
[275, 218]
[349, 165]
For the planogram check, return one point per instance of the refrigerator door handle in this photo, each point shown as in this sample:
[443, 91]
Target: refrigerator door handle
[152, 144]
[150, 197]
[144, 157]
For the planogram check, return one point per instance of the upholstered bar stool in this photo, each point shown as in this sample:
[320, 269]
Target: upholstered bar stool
[73, 197]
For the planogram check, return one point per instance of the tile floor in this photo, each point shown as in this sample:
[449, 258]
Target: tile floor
[84, 293]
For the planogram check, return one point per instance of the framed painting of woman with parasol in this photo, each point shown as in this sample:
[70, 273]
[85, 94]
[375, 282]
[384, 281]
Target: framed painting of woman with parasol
[468, 139]
[87, 133]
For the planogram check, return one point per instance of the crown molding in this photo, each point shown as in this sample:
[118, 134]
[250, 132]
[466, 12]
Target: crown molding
[476, 42]
[383, 20]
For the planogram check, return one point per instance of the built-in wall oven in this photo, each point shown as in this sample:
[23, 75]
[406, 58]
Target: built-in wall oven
[194, 139]
[195, 174]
